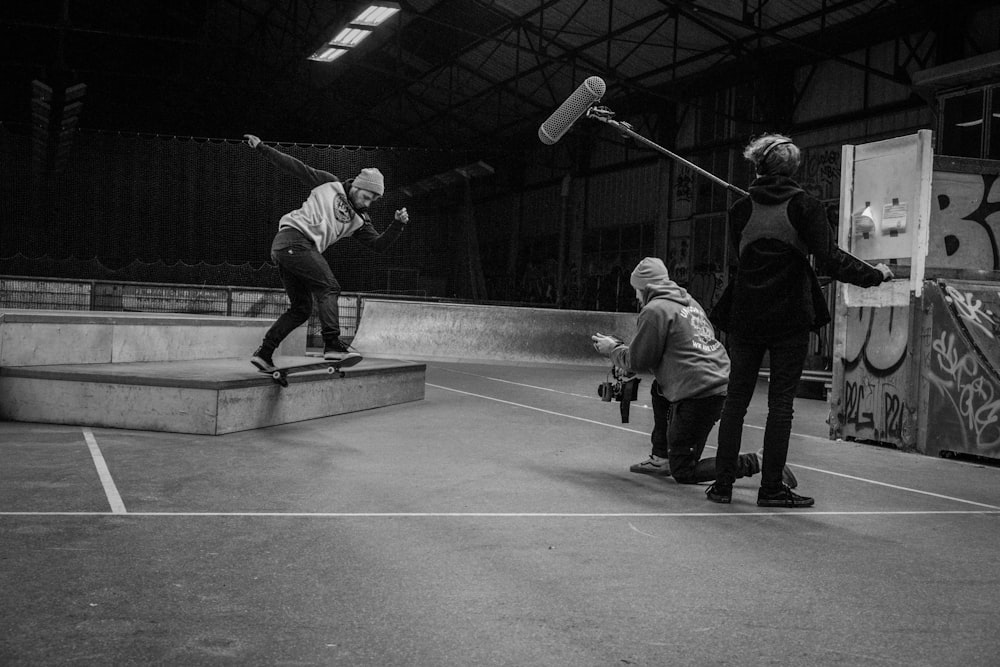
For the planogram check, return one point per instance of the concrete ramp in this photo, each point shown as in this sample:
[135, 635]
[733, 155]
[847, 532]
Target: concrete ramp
[975, 307]
[49, 337]
[961, 367]
[422, 331]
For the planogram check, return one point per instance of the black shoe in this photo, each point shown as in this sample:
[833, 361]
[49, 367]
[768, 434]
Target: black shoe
[335, 349]
[262, 359]
[783, 497]
[720, 494]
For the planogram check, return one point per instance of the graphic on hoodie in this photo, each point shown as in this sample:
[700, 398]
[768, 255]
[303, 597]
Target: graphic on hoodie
[704, 333]
[342, 209]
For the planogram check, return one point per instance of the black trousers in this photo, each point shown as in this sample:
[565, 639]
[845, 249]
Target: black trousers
[788, 356]
[680, 431]
[307, 277]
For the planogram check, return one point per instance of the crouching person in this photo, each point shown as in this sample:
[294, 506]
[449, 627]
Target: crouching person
[676, 343]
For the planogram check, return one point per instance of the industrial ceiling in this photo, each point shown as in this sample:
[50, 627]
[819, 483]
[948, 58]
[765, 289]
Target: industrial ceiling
[440, 74]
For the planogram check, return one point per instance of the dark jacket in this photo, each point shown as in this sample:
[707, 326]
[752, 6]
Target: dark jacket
[775, 292]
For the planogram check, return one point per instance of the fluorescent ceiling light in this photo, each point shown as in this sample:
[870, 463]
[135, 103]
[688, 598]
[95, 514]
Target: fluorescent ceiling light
[376, 14]
[970, 123]
[350, 36]
[328, 54]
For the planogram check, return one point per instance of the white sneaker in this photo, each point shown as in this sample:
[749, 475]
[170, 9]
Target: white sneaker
[654, 465]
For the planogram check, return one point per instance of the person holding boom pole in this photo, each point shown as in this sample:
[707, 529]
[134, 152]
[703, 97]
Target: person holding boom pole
[771, 305]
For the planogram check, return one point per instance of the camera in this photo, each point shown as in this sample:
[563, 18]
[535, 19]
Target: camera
[620, 386]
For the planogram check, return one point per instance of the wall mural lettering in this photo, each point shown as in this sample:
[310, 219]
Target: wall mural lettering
[959, 350]
[959, 366]
[965, 402]
[876, 408]
[875, 405]
[971, 397]
[819, 173]
[965, 222]
[971, 310]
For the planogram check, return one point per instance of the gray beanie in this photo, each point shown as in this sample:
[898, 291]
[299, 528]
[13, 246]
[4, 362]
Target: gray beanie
[649, 270]
[370, 179]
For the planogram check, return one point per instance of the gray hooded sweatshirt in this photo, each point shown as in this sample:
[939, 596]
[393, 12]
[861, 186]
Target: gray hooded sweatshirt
[674, 339]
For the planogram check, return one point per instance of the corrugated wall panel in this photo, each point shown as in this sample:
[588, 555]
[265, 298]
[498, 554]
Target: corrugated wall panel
[627, 197]
[833, 89]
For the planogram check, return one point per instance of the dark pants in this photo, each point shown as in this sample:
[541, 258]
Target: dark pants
[788, 356]
[306, 276]
[680, 430]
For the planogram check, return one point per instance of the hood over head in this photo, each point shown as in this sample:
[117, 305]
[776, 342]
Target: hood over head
[652, 280]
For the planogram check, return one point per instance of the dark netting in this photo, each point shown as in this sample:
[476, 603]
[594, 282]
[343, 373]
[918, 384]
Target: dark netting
[204, 211]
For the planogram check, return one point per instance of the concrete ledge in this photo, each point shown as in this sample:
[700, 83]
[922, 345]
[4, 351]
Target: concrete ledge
[208, 397]
[39, 338]
[486, 334]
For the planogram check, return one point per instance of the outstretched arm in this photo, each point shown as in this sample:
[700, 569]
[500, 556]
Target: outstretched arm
[815, 230]
[302, 171]
[368, 236]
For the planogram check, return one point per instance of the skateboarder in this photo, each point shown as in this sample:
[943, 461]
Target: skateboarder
[675, 341]
[333, 210]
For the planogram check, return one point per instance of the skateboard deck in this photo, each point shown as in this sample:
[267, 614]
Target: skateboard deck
[280, 373]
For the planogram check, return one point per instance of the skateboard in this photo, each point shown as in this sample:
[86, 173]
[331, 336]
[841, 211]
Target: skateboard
[280, 374]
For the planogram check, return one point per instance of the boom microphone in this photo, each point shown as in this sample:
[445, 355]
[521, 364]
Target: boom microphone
[589, 92]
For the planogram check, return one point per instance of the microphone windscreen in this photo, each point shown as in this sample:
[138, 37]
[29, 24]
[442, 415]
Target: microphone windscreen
[589, 92]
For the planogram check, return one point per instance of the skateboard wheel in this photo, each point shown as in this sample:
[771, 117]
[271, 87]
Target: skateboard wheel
[276, 375]
[343, 374]
[330, 369]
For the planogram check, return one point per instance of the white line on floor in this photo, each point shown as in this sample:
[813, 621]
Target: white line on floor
[529, 386]
[517, 515]
[794, 465]
[531, 407]
[594, 398]
[894, 486]
[110, 490]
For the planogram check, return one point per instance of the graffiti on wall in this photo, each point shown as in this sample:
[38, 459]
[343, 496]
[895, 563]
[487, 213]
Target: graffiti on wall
[819, 174]
[875, 404]
[964, 403]
[706, 287]
[965, 221]
[684, 185]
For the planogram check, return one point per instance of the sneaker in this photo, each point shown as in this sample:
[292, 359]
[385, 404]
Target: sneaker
[654, 465]
[787, 476]
[720, 494]
[336, 349]
[262, 359]
[783, 497]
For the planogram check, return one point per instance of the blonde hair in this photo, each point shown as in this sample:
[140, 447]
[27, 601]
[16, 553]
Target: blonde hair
[773, 154]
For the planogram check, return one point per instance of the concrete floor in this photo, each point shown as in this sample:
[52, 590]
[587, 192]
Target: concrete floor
[493, 523]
